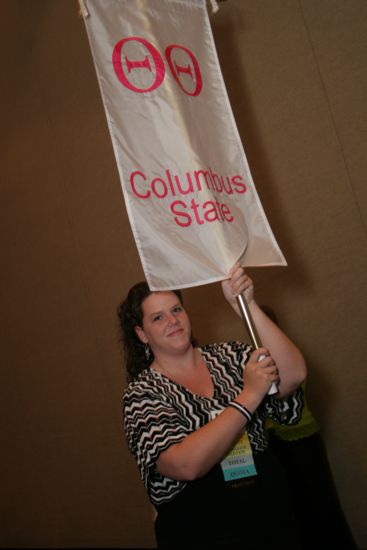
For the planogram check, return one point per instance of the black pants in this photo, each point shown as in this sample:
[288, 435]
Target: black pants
[253, 514]
[315, 499]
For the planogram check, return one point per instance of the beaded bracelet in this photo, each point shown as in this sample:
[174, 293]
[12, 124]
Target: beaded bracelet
[242, 409]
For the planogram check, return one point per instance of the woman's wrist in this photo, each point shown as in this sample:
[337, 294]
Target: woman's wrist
[241, 409]
[248, 400]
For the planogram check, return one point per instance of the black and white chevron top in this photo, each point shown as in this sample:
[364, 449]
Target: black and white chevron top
[158, 412]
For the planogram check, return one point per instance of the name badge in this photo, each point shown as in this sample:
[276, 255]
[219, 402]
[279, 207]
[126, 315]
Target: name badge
[239, 462]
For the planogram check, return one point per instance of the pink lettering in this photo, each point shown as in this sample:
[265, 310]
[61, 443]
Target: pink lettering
[133, 187]
[192, 69]
[239, 183]
[184, 215]
[142, 64]
[159, 182]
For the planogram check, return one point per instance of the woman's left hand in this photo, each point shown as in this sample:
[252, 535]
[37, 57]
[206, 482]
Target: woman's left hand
[237, 283]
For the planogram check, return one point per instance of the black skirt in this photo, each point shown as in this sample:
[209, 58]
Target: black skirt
[210, 513]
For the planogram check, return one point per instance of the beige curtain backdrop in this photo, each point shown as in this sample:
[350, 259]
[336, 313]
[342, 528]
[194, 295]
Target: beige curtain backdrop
[296, 76]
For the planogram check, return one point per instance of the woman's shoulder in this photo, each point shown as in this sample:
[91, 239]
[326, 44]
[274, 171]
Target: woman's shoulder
[142, 384]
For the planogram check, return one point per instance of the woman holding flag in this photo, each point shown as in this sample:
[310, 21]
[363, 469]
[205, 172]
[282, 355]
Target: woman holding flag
[194, 420]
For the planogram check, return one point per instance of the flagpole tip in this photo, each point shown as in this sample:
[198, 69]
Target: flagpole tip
[83, 10]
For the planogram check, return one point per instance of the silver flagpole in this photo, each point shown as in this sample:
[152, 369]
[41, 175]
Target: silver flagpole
[254, 337]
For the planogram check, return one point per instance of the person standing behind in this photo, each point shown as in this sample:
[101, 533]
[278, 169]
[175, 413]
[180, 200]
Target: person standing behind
[194, 420]
[301, 450]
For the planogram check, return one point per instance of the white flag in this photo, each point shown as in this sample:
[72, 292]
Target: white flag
[192, 204]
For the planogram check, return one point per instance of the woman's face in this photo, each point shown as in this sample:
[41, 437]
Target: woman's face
[166, 325]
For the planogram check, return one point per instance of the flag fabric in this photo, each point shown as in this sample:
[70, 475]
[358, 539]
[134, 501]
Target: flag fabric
[190, 197]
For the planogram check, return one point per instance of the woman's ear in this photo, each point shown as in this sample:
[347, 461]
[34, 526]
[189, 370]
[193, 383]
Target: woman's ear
[141, 334]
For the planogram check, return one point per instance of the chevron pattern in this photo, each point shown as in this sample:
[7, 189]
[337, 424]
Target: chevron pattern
[158, 412]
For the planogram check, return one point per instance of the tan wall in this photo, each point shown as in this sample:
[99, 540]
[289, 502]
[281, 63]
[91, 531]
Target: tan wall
[296, 76]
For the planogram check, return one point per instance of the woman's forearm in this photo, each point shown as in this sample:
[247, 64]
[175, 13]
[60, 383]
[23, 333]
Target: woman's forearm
[288, 358]
[202, 449]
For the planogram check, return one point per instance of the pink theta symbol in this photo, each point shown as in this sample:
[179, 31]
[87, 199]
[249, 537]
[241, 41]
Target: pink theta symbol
[177, 70]
[157, 70]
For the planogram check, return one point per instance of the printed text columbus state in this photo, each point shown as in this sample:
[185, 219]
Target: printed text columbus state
[195, 198]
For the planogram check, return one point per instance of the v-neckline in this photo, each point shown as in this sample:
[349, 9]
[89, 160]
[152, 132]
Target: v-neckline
[185, 388]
